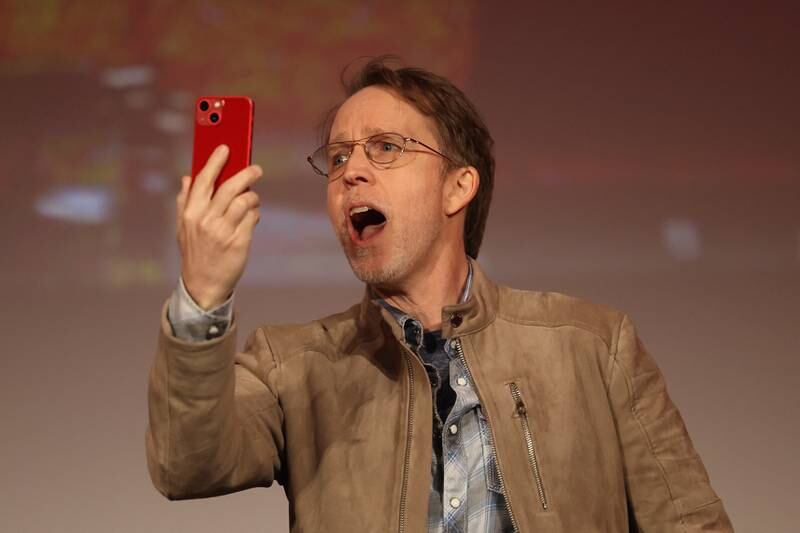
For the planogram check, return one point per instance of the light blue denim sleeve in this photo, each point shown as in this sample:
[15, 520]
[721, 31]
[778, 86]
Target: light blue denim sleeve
[191, 323]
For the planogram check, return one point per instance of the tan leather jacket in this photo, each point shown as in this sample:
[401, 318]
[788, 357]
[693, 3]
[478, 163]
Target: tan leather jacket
[339, 412]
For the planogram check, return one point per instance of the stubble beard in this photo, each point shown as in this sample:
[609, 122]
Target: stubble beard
[406, 251]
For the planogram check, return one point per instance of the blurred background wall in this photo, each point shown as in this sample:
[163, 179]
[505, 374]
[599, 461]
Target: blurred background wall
[648, 158]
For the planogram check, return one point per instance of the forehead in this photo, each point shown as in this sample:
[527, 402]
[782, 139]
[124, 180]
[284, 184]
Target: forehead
[376, 109]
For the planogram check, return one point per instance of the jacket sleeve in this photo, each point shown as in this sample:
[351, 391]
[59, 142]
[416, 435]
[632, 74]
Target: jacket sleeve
[215, 423]
[667, 485]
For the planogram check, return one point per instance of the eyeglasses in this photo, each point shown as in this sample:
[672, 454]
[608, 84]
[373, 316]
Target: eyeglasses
[382, 148]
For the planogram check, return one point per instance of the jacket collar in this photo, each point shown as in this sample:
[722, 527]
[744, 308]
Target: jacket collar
[464, 318]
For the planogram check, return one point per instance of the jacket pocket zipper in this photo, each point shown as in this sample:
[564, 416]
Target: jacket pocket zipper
[530, 443]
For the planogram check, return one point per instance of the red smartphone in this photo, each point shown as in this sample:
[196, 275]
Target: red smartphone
[222, 120]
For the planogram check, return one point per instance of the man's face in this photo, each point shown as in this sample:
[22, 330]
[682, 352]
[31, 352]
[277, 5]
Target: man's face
[406, 193]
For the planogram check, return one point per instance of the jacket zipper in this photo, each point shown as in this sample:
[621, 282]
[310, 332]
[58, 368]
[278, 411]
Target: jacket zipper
[463, 358]
[530, 443]
[407, 458]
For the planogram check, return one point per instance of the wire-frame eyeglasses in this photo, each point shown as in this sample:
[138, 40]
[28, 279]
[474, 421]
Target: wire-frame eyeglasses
[380, 148]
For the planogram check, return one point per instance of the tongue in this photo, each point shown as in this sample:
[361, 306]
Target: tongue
[371, 230]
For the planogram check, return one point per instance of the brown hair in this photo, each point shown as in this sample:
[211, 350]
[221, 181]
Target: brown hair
[462, 132]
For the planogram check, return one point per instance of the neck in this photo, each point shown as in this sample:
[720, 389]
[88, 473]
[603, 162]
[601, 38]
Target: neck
[426, 291]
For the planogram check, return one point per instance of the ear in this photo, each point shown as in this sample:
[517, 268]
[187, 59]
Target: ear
[461, 186]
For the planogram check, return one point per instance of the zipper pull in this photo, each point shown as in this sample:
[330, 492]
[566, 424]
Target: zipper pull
[519, 402]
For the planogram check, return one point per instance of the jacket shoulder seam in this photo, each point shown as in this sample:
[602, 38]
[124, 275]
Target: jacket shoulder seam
[505, 293]
[577, 324]
[305, 348]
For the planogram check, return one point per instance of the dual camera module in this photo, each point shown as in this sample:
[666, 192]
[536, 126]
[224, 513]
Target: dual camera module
[209, 111]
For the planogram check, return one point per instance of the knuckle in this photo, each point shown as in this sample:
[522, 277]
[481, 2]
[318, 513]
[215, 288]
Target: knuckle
[240, 202]
[188, 218]
[249, 198]
[206, 225]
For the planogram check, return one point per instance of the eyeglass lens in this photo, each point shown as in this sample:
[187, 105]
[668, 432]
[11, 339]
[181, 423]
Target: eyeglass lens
[381, 148]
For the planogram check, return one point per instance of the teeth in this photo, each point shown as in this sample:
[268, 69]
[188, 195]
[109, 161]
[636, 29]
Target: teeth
[361, 209]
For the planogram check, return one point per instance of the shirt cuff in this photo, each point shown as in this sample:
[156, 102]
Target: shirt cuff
[191, 323]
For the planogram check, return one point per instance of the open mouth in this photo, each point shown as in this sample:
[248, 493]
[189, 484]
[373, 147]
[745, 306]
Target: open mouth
[366, 221]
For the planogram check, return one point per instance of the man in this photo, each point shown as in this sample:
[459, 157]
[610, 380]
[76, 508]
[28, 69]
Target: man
[441, 402]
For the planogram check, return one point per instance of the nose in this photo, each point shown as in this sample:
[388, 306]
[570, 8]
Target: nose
[358, 169]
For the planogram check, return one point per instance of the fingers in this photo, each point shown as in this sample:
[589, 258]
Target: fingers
[183, 194]
[240, 206]
[203, 186]
[180, 201]
[233, 188]
[246, 226]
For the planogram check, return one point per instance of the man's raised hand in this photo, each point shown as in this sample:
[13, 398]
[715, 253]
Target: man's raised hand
[215, 229]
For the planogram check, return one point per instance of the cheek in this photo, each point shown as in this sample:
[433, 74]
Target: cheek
[428, 197]
[421, 205]
[334, 204]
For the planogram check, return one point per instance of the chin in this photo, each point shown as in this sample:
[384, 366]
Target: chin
[372, 271]
[386, 263]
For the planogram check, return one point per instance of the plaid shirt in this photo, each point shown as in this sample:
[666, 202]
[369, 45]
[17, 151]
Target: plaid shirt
[465, 493]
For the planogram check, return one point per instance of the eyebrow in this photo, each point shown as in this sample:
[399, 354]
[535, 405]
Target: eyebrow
[369, 131]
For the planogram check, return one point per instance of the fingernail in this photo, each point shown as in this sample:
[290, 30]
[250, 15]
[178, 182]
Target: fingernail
[223, 149]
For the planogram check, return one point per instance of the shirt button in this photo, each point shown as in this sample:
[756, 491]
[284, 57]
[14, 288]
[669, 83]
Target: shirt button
[453, 429]
[454, 503]
[461, 381]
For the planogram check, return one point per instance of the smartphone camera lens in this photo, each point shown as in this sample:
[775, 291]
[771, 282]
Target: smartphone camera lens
[204, 105]
[214, 117]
